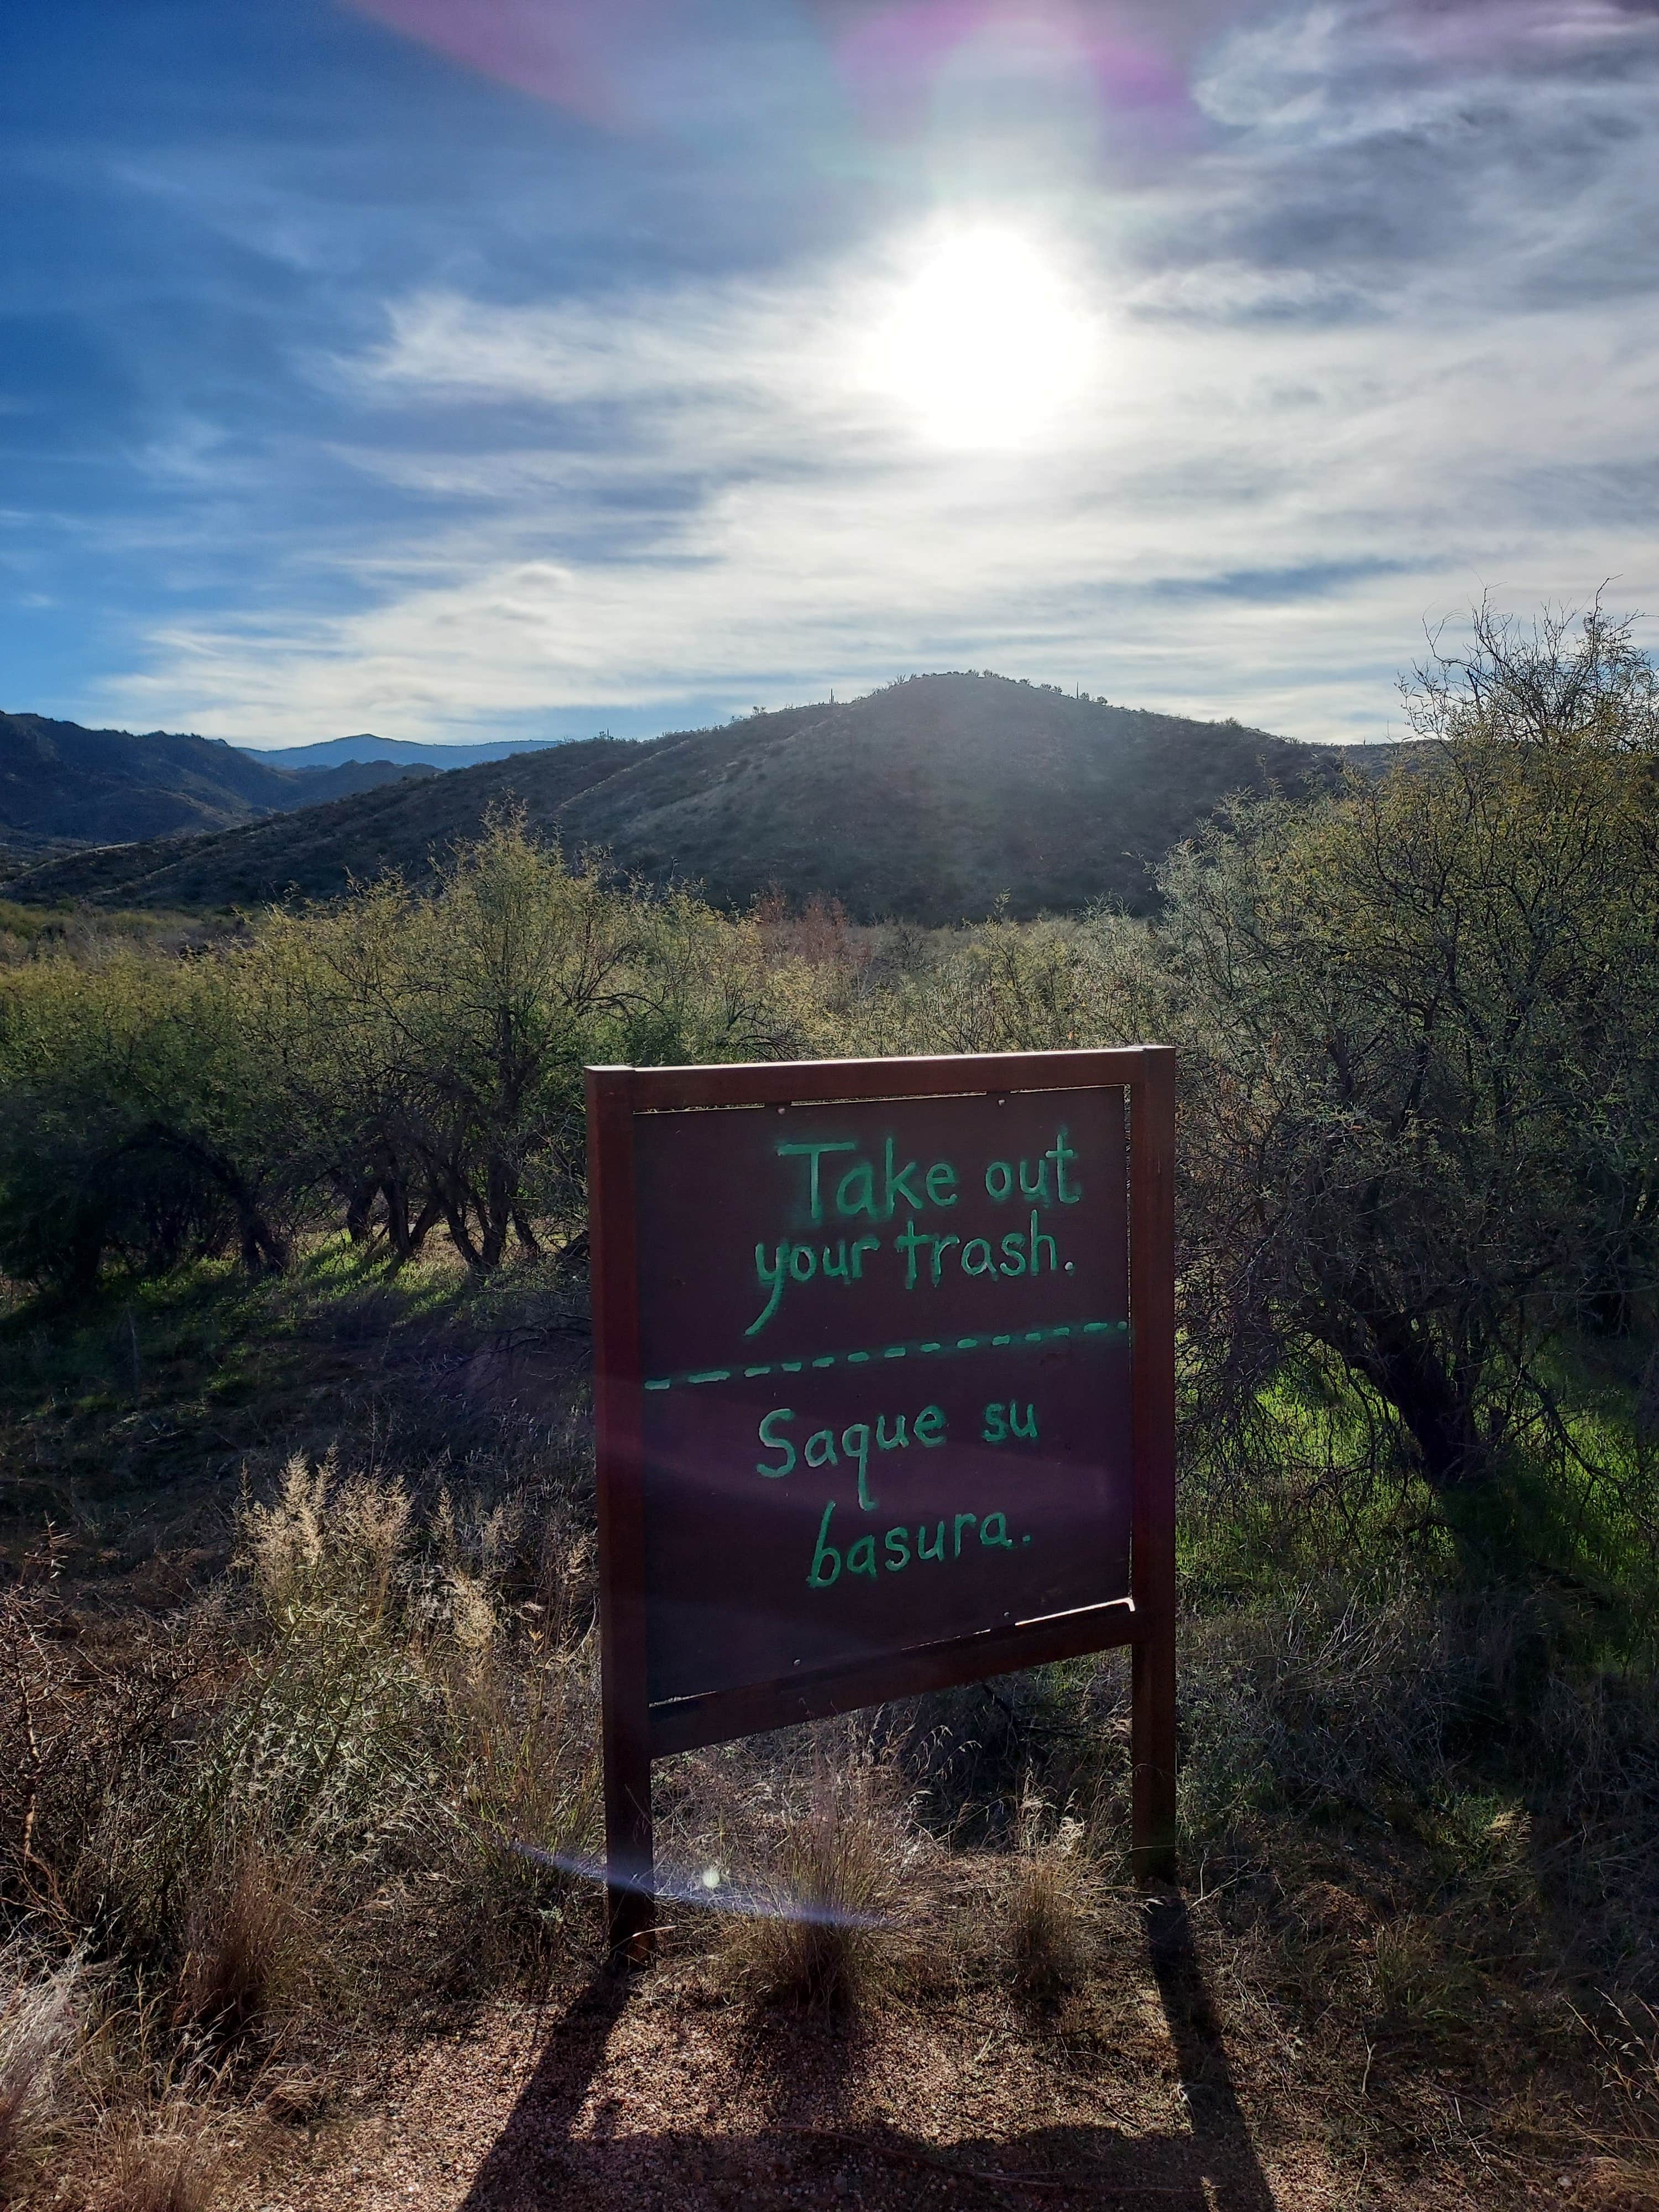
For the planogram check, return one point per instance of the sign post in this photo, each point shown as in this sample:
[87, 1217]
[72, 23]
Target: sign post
[885, 1399]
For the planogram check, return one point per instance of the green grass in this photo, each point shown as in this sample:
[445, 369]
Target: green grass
[1572, 1516]
[1318, 1502]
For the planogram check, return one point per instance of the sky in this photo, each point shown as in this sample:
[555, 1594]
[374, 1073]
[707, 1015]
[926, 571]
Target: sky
[469, 368]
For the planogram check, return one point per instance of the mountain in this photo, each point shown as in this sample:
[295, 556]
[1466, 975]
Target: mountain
[931, 799]
[318, 850]
[62, 784]
[334, 752]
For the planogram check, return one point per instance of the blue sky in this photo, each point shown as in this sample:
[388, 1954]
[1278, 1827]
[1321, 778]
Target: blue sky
[464, 368]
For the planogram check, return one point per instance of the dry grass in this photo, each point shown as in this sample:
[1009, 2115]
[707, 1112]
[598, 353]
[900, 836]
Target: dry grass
[173, 2160]
[39, 2030]
[320, 1803]
[252, 1940]
[350, 1787]
[1417, 1985]
[1047, 1911]
[323, 1540]
[326, 1796]
[838, 1850]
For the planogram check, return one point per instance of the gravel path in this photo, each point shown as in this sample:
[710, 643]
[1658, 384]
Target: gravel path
[658, 2092]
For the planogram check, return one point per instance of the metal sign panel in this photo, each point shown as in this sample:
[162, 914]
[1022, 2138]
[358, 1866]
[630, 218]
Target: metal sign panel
[886, 1386]
[884, 1364]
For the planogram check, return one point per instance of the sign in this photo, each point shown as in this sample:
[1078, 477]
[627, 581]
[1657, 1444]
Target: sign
[884, 1396]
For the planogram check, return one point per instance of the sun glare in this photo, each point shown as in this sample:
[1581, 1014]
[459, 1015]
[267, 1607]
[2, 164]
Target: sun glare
[987, 343]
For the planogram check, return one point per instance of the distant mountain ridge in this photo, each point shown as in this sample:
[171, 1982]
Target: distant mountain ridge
[62, 784]
[936, 798]
[336, 752]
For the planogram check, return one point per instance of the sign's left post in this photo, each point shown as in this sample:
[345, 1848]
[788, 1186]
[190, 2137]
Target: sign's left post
[630, 1905]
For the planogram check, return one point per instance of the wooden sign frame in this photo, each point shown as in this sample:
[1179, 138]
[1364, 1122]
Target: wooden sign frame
[635, 1731]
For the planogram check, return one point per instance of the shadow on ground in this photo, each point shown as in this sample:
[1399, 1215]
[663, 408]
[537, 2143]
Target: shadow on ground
[769, 2162]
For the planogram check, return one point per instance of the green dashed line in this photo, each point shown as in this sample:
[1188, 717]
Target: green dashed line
[1063, 1329]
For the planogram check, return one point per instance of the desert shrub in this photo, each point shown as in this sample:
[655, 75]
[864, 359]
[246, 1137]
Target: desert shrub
[388, 1063]
[434, 1045]
[996, 986]
[1417, 1026]
[134, 1123]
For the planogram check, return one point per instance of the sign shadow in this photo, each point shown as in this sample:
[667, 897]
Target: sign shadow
[1220, 2133]
[540, 2163]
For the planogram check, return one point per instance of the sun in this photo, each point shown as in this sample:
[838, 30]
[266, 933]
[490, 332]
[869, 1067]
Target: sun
[986, 344]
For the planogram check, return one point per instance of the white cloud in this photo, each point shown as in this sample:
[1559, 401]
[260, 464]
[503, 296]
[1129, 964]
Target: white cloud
[1289, 455]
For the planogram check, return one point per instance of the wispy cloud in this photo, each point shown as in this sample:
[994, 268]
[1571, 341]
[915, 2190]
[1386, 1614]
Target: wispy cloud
[1369, 320]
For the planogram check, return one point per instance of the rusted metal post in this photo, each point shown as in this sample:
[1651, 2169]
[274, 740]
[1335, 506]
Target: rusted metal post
[630, 1905]
[1152, 1303]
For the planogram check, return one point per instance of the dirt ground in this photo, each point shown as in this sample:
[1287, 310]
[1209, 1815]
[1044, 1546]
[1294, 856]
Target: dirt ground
[658, 2090]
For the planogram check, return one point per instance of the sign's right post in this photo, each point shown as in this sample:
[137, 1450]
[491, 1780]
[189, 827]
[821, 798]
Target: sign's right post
[1152, 1294]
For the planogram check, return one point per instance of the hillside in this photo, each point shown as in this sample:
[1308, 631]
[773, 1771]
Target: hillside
[316, 853]
[60, 783]
[931, 799]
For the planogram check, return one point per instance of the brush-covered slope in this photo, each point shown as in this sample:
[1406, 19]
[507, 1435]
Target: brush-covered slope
[60, 783]
[316, 854]
[934, 799]
[931, 799]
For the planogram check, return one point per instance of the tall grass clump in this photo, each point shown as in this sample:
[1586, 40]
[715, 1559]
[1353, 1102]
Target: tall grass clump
[821, 1848]
[40, 2026]
[1047, 1910]
[173, 2161]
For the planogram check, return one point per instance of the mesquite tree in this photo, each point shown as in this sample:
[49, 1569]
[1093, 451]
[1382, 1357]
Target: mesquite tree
[1421, 1025]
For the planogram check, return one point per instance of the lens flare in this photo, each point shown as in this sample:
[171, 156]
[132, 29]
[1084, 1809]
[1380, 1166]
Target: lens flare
[718, 1894]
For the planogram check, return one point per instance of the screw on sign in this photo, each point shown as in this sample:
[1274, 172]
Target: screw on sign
[885, 1391]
